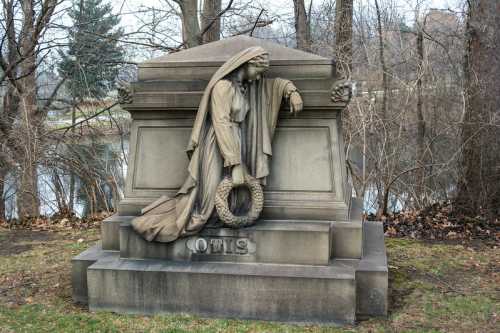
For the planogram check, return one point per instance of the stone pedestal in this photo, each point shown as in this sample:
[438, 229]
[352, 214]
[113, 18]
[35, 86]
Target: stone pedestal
[153, 278]
[308, 259]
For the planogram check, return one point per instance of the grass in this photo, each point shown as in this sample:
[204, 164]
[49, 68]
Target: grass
[434, 287]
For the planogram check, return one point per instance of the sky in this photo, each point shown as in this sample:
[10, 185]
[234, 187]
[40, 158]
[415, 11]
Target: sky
[283, 9]
[285, 6]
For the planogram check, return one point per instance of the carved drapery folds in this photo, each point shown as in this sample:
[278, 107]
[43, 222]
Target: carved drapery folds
[230, 140]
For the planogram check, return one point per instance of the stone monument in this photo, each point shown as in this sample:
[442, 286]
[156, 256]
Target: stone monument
[257, 220]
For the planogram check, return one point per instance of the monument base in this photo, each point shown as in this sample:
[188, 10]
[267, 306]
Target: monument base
[289, 293]
[337, 292]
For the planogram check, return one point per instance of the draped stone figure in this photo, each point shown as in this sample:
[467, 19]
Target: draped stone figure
[231, 137]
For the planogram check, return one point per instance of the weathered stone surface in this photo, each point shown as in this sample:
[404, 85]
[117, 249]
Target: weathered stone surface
[371, 281]
[201, 62]
[79, 265]
[347, 238]
[305, 242]
[290, 293]
[172, 100]
[302, 243]
[165, 102]
[110, 232]
[372, 275]
[312, 188]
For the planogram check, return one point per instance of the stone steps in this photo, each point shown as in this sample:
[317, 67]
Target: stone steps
[277, 292]
[339, 292]
[302, 242]
[279, 242]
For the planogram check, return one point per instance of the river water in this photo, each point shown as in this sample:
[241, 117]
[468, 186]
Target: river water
[114, 158]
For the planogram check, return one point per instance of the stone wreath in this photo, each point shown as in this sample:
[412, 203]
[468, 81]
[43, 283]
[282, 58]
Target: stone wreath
[222, 206]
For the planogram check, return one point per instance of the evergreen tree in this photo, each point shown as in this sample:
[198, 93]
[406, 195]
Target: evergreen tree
[92, 62]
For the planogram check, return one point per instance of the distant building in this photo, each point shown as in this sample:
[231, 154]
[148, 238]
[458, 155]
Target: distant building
[440, 21]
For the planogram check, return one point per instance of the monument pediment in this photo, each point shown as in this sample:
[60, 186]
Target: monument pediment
[201, 62]
[216, 53]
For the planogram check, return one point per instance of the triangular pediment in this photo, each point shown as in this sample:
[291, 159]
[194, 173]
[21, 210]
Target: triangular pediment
[218, 52]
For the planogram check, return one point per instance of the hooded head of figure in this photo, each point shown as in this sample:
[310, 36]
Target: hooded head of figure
[256, 66]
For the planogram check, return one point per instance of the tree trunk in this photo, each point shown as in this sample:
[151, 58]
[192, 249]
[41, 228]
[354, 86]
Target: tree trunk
[211, 10]
[421, 159]
[28, 202]
[383, 65]
[72, 177]
[478, 189]
[302, 28]
[190, 25]
[343, 37]
[3, 176]
[10, 104]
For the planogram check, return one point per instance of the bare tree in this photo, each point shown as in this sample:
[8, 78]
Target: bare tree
[420, 157]
[343, 37]
[190, 24]
[204, 27]
[479, 189]
[23, 119]
[383, 65]
[210, 20]
[9, 62]
[302, 25]
[405, 121]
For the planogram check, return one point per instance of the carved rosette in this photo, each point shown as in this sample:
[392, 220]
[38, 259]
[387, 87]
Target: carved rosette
[342, 92]
[125, 92]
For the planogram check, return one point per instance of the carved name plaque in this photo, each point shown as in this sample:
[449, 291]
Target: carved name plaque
[220, 246]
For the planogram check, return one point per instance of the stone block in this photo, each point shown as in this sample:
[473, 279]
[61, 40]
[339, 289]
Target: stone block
[293, 293]
[311, 188]
[79, 265]
[286, 293]
[347, 236]
[290, 242]
[110, 232]
[347, 239]
[201, 62]
[372, 274]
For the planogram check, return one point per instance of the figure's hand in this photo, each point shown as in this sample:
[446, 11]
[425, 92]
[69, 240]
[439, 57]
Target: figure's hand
[238, 174]
[296, 103]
